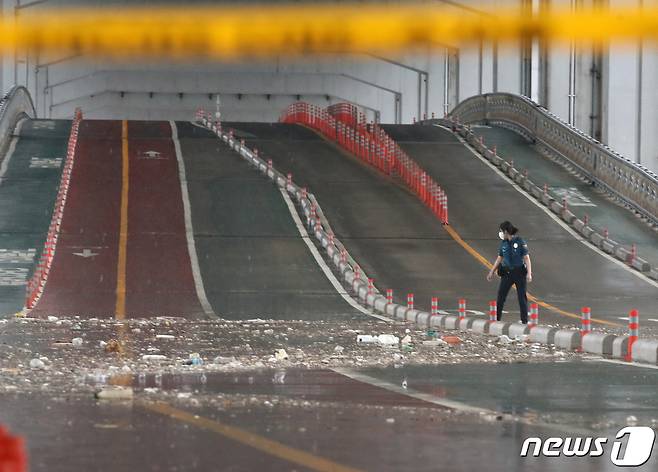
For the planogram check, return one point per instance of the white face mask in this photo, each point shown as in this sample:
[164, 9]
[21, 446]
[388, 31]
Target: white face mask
[501, 235]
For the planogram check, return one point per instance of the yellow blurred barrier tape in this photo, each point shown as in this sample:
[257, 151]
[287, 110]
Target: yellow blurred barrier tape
[266, 30]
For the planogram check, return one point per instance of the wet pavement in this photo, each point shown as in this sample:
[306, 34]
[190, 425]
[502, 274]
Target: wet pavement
[395, 239]
[622, 224]
[252, 258]
[293, 390]
[567, 274]
[29, 179]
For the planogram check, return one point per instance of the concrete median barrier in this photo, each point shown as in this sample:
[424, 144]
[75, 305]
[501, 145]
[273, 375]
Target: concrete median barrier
[620, 347]
[568, 217]
[437, 321]
[567, 339]
[646, 351]
[400, 312]
[380, 304]
[498, 328]
[609, 246]
[598, 343]
[465, 323]
[423, 319]
[410, 314]
[451, 322]
[518, 329]
[480, 326]
[543, 334]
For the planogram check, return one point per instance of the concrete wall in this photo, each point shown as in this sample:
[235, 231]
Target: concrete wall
[610, 95]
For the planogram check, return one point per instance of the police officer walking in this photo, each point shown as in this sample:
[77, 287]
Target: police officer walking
[514, 268]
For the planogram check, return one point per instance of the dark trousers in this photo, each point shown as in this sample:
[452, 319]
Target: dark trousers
[515, 277]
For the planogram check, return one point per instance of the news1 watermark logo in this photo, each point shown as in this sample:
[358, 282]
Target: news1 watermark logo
[638, 441]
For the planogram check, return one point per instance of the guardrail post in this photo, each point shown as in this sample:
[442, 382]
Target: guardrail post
[462, 308]
[633, 332]
[534, 315]
[585, 320]
[493, 311]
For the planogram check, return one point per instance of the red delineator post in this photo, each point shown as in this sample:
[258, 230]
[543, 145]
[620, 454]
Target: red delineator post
[534, 315]
[435, 306]
[389, 296]
[410, 301]
[462, 308]
[493, 311]
[633, 332]
[371, 286]
[585, 320]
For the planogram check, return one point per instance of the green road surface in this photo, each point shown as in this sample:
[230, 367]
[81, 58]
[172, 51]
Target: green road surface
[623, 226]
[252, 258]
[27, 194]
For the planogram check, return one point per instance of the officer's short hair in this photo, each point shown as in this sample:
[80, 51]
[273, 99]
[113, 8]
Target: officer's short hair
[508, 227]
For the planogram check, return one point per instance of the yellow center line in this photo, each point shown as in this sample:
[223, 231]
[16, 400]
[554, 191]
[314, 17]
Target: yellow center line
[455, 235]
[120, 310]
[255, 441]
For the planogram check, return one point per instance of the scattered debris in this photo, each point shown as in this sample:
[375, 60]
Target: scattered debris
[115, 393]
[165, 336]
[77, 342]
[452, 339]
[154, 357]
[281, 355]
[114, 345]
[37, 364]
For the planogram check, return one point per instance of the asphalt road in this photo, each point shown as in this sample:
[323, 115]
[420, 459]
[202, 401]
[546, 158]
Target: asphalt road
[252, 258]
[623, 226]
[324, 420]
[29, 178]
[396, 240]
[567, 273]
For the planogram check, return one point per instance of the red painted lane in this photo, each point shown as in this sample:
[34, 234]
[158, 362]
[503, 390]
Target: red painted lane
[159, 278]
[80, 285]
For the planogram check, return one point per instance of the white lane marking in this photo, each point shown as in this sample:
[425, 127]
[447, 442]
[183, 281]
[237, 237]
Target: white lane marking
[189, 232]
[409, 392]
[17, 256]
[564, 226]
[573, 196]
[45, 163]
[12, 148]
[13, 277]
[652, 319]
[632, 364]
[318, 258]
[86, 253]
[444, 402]
[43, 125]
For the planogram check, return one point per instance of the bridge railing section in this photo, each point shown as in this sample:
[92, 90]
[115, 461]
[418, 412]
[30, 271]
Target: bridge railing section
[347, 113]
[37, 283]
[372, 145]
[15, 105]
[633, 184]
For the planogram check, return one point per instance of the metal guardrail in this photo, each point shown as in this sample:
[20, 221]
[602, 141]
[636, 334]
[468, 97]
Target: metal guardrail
[633, 184]
[16, 104]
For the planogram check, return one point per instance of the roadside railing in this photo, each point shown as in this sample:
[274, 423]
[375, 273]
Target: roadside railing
[15, 105]
[37, 283]
[631, 183]
[372, 145]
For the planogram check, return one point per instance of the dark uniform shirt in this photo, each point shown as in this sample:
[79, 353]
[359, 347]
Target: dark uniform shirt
[513, 252]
